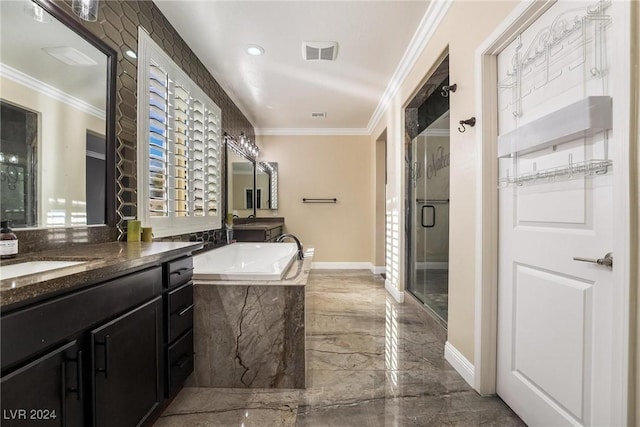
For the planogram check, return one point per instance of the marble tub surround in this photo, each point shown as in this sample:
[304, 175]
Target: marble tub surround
[104, 261]
[370, 362]
[251, 334]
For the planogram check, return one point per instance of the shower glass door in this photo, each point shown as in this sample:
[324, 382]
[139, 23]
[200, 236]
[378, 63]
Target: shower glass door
[428, 195]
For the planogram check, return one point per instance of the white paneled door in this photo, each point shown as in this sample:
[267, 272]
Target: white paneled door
[556, 314]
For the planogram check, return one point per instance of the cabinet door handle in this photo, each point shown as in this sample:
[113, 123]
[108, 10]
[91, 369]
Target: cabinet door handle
[182, 271]
[182, 311]
[182, 361]
[78, 388]
[105, 343]
[63, 393]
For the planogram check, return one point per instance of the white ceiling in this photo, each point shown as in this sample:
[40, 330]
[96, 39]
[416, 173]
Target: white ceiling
[279, 90]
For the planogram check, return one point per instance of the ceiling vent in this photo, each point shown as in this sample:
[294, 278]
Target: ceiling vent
[70, 56]
[319, 51]
[319, 115]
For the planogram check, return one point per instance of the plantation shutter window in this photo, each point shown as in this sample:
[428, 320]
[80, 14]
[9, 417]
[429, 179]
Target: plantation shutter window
[179, 161]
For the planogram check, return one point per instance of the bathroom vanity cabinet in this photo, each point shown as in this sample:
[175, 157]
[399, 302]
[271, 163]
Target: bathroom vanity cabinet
[46, 391]
[105, 355]
[179, 324]
[126, 366]
[257, 232]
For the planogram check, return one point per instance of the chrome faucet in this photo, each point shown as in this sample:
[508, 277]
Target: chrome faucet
[281, 237]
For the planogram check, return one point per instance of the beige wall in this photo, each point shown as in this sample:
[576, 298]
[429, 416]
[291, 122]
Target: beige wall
[379, 231]
[241, 181]
[262, 182]
[635, 278]
[465, 26]
[325, 167]
[62, 134]
[236, 185]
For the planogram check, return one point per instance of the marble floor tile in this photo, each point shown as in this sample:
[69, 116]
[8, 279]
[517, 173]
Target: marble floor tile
[370, 362]
[201, 406]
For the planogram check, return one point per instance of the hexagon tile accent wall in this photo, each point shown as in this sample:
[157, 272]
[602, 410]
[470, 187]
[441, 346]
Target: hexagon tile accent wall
[117, 25]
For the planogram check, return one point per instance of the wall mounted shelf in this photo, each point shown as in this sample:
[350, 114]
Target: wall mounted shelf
[583, 118]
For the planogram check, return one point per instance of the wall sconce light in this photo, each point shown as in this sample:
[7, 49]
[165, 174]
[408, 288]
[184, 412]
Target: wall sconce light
[86, 9]
[8, 158]
[244, 146]
[37, 13]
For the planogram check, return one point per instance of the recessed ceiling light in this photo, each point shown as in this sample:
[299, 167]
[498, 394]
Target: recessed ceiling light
[255, 50]
[131, 54]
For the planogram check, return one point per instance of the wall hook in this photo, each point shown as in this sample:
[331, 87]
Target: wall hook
[446, 89]
[469, 122]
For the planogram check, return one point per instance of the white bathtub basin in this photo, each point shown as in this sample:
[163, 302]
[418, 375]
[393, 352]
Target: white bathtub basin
[32, 267]
[245, 261]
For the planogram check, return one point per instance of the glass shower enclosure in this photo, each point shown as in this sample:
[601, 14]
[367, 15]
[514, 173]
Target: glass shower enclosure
[427, 156]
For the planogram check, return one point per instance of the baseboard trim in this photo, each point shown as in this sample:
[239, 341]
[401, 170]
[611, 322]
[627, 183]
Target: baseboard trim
[378, 269]
[348, 266]
[341, 266]
[395, 293]
[460, 363]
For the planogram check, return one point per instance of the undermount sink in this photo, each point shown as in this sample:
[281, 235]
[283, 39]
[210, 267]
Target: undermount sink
[32, 267]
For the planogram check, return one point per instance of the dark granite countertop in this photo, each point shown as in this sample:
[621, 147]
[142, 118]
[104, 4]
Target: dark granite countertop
[101, 262]
[258, 226]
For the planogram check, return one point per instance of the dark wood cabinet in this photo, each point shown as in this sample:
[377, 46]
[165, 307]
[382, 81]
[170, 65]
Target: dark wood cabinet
[262, 232]
[46, 392]
[126, 366]
[179, 324]
[106, 355]
[180, 357]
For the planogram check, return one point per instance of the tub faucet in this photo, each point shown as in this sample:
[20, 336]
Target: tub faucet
[281, 237]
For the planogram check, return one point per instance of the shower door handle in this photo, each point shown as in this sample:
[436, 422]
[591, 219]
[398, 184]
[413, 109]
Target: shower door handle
[433, 216]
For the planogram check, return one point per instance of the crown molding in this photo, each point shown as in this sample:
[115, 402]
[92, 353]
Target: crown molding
[436, 132]
[427, 27]
[312, 131]
[53, 92]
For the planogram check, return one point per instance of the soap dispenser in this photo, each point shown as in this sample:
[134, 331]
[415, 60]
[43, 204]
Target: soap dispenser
[8, 241]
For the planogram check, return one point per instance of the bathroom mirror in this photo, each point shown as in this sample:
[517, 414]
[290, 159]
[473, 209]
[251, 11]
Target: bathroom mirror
[266, 186]
[58, 119]
[240, 180]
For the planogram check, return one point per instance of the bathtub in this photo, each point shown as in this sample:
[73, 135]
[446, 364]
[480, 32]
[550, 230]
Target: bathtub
[245, 261]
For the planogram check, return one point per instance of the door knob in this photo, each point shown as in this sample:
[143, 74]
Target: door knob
[607, 261]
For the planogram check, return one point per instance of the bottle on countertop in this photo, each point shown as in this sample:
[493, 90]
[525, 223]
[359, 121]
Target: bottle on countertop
[8, 241]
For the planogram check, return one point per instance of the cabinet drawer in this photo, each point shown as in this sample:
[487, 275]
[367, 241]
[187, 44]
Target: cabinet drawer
[180, 271]
[31, 330]
[180, 311]
[180, 360]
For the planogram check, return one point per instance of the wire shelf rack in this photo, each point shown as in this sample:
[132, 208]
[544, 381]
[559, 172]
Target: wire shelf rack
[588, 168]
